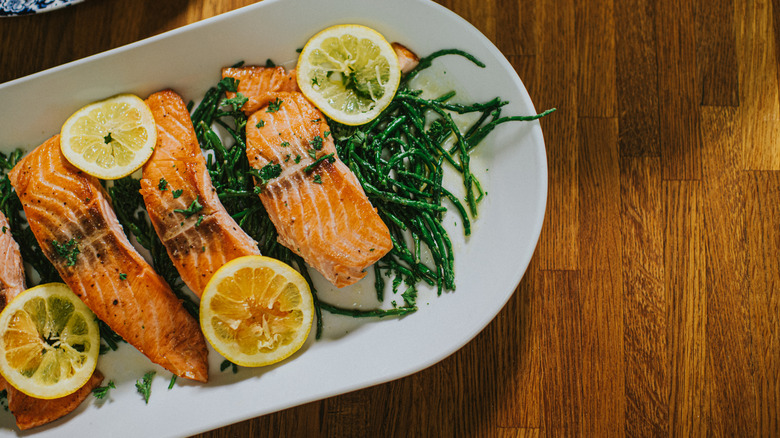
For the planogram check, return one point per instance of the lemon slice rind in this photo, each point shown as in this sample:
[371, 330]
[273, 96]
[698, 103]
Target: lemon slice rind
[111, 138]
[350, 72]
[61, 353]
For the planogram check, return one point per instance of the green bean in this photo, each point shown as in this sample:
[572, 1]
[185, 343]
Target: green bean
[376, 313]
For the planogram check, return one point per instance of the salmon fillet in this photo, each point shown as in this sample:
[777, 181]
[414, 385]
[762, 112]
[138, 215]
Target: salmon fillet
[322, 214]
[69, 210]
[12, 281]
[261, 85]
[30, 411]
[201, 242]
[407, 59]
[33, 412]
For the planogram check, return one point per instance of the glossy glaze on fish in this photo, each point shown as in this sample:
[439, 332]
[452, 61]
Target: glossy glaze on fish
[175, 183]
[29, 411]
[320, 212]
[261, 85]
[71, 216]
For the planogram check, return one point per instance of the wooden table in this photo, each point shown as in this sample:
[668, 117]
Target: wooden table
[651, 306]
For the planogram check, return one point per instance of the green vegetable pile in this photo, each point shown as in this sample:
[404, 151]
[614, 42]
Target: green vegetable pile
[399, 159]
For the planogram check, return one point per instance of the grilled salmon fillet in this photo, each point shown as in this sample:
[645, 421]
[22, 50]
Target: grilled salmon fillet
[67, 208]
[198, 242]
[261, 85]
[29, 411]
[316, 204]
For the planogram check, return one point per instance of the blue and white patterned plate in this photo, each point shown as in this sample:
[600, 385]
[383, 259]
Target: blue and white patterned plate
[10, 8]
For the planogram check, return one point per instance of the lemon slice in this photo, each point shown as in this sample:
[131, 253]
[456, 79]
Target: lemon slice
[350, 72]
[49, 342]
[110, 139]
[256, 311]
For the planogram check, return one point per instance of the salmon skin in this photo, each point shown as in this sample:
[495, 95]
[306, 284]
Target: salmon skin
[261, 85]
[29, 411]
[316, 203]
[175, 183]
[71, 216]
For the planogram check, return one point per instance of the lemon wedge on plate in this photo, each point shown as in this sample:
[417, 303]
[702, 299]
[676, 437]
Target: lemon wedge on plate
[350, 72]
[256, 311]
[110, 139]
[49, 342]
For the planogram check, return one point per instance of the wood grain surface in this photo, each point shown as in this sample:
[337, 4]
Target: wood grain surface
[652, 304]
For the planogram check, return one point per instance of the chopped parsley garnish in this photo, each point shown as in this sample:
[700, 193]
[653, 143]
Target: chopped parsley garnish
[318, 179]
[69, 251]
[107, 139]
[177, 193]
[101, 392]
[237, 101]
[200, 219]
[312, 153]
[285, 144]
[4, 229]
[260, 124]
[123, 276]
[163, 184]
[297, 159]
[194, 207]
[410, 296]
[274, 106]
[326, 134]
[315, 82]
[316, 143]
[144, 385]
[267, 173]
[173, 382]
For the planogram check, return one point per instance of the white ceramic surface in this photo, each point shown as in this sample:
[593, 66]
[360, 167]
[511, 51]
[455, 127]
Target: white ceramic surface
[353, 354]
